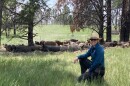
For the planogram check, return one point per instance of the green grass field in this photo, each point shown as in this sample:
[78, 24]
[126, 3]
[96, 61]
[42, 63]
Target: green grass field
[57, 69]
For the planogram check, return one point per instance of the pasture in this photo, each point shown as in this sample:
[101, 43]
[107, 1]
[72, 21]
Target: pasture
[57, 69]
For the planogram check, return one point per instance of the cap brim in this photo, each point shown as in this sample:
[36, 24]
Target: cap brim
[95, 38]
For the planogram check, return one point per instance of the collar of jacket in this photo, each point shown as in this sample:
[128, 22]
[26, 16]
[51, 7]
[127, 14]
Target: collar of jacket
[96, 45]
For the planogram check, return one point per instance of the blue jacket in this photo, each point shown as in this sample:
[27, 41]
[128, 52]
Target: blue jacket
[97, 56]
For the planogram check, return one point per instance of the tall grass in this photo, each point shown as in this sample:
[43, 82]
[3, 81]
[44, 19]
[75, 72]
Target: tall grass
[57, 69]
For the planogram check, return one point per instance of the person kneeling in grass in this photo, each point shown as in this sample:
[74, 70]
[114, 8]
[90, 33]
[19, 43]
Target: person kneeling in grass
[94, 68]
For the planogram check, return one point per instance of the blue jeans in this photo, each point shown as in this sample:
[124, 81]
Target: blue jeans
[86, 64]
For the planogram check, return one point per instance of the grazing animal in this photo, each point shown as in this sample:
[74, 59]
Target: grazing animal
[2, 48]
[125, 45]
[37, 43]
[59, 42]
[73, 40]
[50, 43]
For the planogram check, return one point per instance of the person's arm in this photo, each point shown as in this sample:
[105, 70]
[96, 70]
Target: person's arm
[97, 61]
[87, 54]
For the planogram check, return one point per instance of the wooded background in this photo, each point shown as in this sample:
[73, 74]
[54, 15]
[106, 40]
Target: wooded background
[20, 16]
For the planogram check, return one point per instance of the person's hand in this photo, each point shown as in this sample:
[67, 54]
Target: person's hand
[76, 60]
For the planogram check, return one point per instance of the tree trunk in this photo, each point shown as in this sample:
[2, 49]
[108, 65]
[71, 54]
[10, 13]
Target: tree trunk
[14, 22]
[101, 33]
[0, 18]
[108, 35]
[128, 24]
[124, 33]
[14, 29]
[101, 22]
[30, 33]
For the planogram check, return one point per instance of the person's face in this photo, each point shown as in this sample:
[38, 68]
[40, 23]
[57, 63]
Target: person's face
[93, 42]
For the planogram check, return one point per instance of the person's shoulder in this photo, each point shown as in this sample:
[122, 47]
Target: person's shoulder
[100, 48]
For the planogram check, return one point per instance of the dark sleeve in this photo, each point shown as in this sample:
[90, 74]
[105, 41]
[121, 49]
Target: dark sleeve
[98, 60]
[87, 54]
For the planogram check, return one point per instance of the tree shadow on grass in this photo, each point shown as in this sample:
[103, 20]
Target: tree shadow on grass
[29, 54]
[50, 72]
[36, 73]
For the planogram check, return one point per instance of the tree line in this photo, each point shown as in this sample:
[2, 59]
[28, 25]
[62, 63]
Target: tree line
[100, 15]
